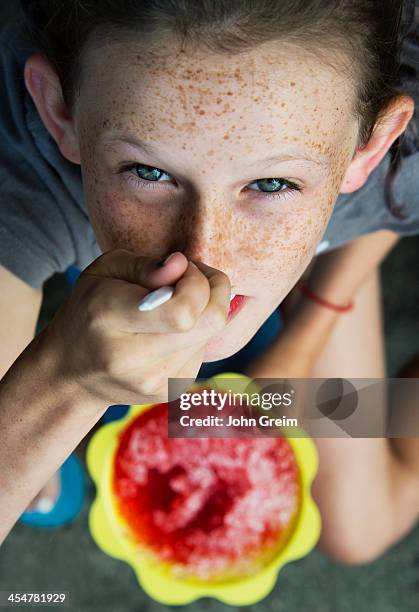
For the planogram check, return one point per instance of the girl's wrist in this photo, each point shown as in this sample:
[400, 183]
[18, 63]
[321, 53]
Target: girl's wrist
[40, 367]
[309, 326]
[320, 300]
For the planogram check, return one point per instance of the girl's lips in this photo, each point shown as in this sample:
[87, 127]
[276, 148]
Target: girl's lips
[236, 304]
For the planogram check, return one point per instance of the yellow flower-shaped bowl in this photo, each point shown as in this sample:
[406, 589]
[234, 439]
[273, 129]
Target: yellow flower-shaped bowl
[156, 578]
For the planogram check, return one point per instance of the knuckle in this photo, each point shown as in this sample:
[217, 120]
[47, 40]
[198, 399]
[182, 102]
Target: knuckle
[224, 277]
[95, 316]
[95, 306]
[217, 317]
[182, 317]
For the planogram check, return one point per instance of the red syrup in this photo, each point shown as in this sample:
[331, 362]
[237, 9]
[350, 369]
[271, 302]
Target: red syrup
[212, 507]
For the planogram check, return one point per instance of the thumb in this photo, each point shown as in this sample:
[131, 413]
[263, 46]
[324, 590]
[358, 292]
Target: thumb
[145, 271]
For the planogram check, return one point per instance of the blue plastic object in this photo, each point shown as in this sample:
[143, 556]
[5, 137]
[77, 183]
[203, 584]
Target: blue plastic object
[69, 502]
[71, 274]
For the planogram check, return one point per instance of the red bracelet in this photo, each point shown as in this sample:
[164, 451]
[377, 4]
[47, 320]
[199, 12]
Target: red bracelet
[318, 300]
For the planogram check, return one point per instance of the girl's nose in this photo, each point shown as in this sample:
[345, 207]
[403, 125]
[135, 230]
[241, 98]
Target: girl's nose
[208, 235]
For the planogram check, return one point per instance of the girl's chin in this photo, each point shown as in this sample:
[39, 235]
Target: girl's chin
[220, 348]
[236, 335]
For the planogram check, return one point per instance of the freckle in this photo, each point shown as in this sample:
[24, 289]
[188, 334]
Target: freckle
[229, 93]
[219, 100]
[292, 84]
[226, 136]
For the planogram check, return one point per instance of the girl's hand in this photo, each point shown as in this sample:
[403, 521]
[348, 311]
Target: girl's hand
[118, 354]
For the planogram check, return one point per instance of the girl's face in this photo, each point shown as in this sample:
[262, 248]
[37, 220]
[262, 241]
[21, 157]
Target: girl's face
[235, 160]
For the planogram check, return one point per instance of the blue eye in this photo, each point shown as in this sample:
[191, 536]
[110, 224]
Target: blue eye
[146, 177]
[274, 187]
[147, 173]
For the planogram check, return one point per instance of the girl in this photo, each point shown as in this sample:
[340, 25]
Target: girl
[222, 134]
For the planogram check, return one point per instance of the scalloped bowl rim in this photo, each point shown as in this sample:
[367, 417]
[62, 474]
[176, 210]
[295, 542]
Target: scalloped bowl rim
[155, 579]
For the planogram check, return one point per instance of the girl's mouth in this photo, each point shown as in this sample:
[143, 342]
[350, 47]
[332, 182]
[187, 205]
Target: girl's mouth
[236, 303]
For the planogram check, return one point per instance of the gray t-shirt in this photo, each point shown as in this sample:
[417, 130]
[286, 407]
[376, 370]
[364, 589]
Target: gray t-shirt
[44, 223]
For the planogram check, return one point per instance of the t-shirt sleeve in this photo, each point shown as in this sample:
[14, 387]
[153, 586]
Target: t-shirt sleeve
[44, 227]
[35, 241]
[365, 211]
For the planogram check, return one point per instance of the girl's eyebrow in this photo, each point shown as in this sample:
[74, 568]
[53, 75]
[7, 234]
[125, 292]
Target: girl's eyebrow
[114, 136]
[302, 156]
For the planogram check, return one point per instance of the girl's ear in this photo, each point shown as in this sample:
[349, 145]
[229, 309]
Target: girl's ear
[44, 86]
[387, 130]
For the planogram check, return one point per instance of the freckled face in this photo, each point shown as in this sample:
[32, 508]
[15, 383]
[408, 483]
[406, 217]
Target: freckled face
[244, 158]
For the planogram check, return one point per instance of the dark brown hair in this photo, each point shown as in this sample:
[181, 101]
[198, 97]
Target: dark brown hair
[369, 32]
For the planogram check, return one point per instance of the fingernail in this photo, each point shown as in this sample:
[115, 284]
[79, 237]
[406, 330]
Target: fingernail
[156, 298]
[163, 262]
[44, 505]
